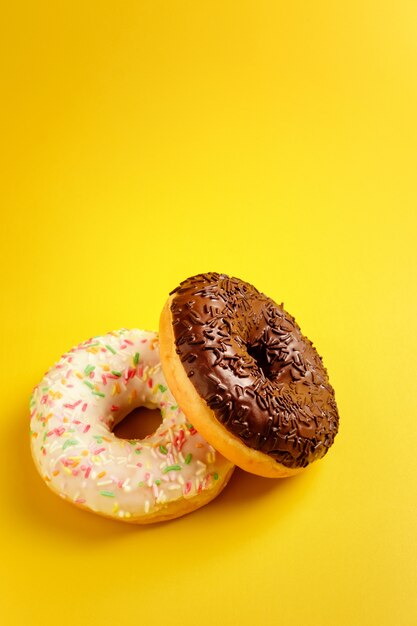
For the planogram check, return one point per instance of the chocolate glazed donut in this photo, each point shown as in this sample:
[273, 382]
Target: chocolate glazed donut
[247, 358]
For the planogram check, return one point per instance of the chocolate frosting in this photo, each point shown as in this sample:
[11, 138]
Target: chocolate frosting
[247, 358]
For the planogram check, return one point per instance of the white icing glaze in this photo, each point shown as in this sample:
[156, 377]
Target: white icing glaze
[73, 409]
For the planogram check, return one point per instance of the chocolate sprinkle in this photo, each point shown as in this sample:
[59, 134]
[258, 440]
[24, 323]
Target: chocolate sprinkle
[247, 358]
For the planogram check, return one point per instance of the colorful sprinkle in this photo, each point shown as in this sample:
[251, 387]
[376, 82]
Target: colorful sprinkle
[171, 468]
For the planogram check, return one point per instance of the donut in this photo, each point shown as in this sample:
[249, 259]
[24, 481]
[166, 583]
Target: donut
[245, 376]
[76, 406]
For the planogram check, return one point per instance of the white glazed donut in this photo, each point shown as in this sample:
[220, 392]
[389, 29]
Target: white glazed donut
[76, 405]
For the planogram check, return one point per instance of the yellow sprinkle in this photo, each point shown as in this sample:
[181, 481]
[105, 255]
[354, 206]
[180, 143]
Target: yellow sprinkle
[34, 435]
[115, 507]
[198, 445]
[132, 396]
[127, 514]
[67, 471]
[106, 368]
[93, 350]
[115, 389]
[101, 474]
[79, 375]
[63, 381]
[155, 389]
[84, 452]
[210, 457]
[55, 473]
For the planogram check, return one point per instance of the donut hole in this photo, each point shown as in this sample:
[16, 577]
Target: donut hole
[138, 424]
[259, 355]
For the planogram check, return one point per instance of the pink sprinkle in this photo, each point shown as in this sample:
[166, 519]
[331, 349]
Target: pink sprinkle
[104, 379]
[129, 342]
[51, 432]
[150, 383]
[179, 440]
[114, 407]
[75, 472]
[87, 428]
[80, 500]
[72, 406]
[187, 488]
[147, 476]
[144, 340]
[91, 375]
[68, 373]
[99, 450]
[87, 472]
[44, 399]
[130, 373]
[140, 371]
[120, 484]
[138, 464]
[84, 407]
[76, 422]
[123, 346]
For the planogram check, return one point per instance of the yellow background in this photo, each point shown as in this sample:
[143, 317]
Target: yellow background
[144, 142]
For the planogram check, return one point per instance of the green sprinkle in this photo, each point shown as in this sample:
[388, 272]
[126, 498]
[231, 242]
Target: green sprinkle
[98, 438]
[157, 482]
[188, 458]
[110, 348]
[190, 426]
[163, 449]
[136, 358]
[137, 451]
[141, 484]
[92, 345]
[171, 468]
[69, 442]
[133, 442]
[87, 382]
[89, 369]
[115, 373]
[215, 475]
[108, 494]
[98, 393]
[162, 388]
[174, 407]
[44, 389]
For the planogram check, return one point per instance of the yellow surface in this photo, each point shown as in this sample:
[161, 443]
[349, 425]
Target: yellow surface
[144, 142]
